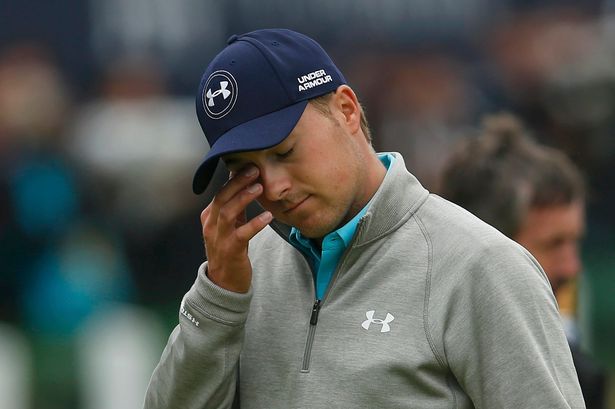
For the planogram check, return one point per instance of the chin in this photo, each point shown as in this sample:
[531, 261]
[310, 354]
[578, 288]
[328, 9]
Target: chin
[317, 225]
[314, 232]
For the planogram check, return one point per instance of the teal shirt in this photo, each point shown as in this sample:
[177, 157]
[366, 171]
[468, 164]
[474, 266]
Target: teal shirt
[333, 244]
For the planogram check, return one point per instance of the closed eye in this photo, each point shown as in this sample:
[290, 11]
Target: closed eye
[285, 154]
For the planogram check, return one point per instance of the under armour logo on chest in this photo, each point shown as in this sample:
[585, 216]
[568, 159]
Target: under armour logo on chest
[371, 320]
[211, 95]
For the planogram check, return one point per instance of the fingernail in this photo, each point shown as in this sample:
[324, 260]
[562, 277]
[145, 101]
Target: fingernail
[253, 188]
[251, 171]
[266, 217]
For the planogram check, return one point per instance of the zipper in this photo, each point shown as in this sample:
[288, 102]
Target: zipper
[305, 366]
[307, 354]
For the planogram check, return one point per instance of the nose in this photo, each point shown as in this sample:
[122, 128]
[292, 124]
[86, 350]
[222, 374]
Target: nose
[570, 261]
[276, 182]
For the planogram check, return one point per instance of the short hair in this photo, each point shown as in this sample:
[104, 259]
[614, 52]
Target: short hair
[321, 104]
[501, 173]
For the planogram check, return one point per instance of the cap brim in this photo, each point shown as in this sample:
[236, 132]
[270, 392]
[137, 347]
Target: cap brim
[260, 133]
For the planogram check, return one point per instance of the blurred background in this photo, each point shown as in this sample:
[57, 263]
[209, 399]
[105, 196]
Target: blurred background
[99, 229]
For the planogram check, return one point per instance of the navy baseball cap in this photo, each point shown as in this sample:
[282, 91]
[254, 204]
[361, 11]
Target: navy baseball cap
[254, 91]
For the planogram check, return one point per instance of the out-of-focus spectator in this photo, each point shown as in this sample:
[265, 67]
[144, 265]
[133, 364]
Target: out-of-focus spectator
[61, 263]
[34, 104]
[554, 68]
[534, 195]
[138, 144]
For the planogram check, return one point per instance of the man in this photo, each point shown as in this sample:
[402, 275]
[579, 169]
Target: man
[536, 196]
[365, 291]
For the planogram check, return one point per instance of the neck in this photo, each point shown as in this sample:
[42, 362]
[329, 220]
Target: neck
[372, 177]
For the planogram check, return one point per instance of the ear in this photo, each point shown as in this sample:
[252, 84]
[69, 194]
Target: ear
[347, 108]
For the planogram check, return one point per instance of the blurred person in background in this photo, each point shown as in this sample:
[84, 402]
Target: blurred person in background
[535, 195]
[39, 202]
[137, 142]
[64, 275]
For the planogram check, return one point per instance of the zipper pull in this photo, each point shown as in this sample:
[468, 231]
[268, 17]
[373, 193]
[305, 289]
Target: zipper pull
[315, 310]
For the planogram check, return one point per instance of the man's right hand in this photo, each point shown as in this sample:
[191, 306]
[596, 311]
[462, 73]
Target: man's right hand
[227, 233]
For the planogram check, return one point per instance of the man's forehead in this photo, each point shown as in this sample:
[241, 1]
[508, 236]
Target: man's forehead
[556, 220]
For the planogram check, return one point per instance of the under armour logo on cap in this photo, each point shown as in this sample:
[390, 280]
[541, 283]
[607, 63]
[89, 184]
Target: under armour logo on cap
[220, 83]
[211, 95]
[371, 320]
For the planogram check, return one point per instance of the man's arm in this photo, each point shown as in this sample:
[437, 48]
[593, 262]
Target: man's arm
[198, 368]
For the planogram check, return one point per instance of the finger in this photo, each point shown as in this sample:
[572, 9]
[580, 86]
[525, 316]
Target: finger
[208, 220]
[235, 184]
[208, 228]
[232, 214]
[251, 228]
[204, 215]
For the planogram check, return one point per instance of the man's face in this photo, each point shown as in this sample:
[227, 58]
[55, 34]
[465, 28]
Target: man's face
[552, 234]
[314, 180]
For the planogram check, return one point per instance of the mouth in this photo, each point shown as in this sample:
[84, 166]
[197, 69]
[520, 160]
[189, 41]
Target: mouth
[295, 206]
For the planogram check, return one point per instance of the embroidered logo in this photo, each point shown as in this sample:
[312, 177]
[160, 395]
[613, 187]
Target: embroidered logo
[211, 95]
[371, 320]
[313, 79]
[219, 94]
[182, 310]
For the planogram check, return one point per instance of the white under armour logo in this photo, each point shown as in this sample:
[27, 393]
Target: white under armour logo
[211, 95]
[220, 83]
[371, 320]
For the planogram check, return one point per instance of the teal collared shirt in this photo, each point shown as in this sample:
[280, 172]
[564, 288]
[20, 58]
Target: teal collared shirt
[333, 244]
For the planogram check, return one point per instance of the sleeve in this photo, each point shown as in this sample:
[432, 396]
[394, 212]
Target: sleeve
[503, 338]
[199, 366]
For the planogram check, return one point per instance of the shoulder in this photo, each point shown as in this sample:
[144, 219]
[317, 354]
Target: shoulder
[467, 251]
[453, 229]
